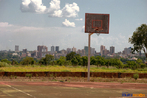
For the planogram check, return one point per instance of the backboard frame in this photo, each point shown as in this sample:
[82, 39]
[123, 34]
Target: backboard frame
[96, 17]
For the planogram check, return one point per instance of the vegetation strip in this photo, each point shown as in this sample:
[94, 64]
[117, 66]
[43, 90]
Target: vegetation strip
[73, 74]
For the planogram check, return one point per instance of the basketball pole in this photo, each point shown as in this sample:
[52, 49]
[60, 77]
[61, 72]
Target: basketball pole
[89, 36]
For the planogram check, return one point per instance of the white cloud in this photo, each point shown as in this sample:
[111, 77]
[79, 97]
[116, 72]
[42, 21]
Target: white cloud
[5, 24]
[70, 10]
[67, 23]
[36, 6]
[33, 6]
[79, 19]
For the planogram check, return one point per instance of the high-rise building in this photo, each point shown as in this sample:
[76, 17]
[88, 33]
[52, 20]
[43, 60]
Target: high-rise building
[105, 52]
[86, 50]
[42, 51]
[112, 50]
[24, 50]
[16, 48]
[52, 49]
[101, 49]
[68, 50]
[57, 48]
[92, 51]
[127, 50]
[74, 49]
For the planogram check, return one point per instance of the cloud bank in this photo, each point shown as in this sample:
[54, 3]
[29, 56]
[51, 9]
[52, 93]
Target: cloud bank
[36, 6]
[67, 23]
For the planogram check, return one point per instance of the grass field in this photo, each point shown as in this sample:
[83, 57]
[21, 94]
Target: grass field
[56, 68]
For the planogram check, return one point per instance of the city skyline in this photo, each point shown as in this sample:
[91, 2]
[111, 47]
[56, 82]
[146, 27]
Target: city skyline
[29, 23]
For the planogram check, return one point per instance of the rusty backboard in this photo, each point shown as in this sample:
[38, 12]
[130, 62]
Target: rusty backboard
[96, 23]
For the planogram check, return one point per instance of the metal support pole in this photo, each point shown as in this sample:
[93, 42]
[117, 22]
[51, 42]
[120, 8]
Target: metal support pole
[89, 56]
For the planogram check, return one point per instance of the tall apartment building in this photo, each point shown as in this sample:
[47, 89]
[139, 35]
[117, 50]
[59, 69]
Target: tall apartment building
[127, 50]
[52, 49]
[68, 50]
[92, 51]
[57, 48]
[74, 49]
[112, 50]
[24, 50]
[86, 50]
[16, 48]
[105, 52]
[101, 49]
[42, 51]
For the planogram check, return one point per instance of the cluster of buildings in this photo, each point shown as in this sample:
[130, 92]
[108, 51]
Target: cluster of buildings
[43, 50]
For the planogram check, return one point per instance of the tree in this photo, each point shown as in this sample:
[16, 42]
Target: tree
[28, 61]
[139, 39]
[61, 60]
[70, 55]
[14, 62]
[48, 59]
[84, 60]
[92, 60]
[100, 61]
[6, 60]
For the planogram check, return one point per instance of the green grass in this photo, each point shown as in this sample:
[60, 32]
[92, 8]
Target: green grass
[57, 68]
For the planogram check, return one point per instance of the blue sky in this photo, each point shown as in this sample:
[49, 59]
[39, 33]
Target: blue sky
[29, 23]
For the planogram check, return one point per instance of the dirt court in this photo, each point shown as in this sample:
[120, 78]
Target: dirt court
[14, 89]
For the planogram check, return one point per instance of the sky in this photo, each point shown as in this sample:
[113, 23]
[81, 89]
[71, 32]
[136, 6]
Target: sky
[29, 23]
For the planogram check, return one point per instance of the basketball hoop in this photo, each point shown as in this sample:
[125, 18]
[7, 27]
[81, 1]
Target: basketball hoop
[97, 30]
[95, 23]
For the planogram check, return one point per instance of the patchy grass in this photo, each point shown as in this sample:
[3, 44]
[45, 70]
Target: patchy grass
[56, 68]
[76, 79]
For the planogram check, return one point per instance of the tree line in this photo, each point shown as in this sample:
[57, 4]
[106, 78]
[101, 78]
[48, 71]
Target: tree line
[77, 60]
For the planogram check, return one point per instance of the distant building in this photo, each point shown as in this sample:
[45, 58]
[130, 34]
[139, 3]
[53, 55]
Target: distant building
[34, 54]
[42, 51]
[92, 51]
[83, 52]
[105, 52]
[101, 49]
[57, 48]
[16, 48]
[68, 50]
[24, 50]
[112, 50]
[127, 51]
[74, 49]
[52, 49]
[14, 54]
[86, 50]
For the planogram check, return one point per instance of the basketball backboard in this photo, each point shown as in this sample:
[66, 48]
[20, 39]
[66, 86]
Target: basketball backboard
[96, 23]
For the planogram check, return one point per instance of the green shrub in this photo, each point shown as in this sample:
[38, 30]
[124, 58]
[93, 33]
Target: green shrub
[142, 65]
[142, 69]
[29, 75]
[135, 76]
[6, 61]
[65, 71]
[4, 64]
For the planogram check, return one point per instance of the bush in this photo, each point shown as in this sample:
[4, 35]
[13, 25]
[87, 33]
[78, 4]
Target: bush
[6, 61]
[143, 65]
[135, 76]
[29, 75]
[4, 64]
[65, 71]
